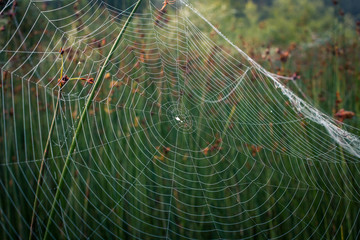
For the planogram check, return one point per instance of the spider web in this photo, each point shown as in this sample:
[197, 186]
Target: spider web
[186, 138]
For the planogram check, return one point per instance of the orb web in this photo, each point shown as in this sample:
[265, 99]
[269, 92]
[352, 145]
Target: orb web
[186, 138]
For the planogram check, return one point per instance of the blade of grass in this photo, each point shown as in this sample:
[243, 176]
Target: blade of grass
[83, 115]
[41, 173]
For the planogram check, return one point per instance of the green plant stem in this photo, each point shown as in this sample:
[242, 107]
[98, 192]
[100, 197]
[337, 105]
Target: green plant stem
[41, 174]
[83, 115]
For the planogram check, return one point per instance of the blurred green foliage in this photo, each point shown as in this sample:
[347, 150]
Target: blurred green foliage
[280, 23]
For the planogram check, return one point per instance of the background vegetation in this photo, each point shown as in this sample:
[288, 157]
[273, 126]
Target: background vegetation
[314, 42]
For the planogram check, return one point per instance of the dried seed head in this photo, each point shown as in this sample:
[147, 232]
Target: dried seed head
[284, 56]
[341, 115]
[90, 80]
[295, 76]
[63, 80]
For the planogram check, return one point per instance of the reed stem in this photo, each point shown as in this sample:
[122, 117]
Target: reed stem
[41, 173]
[82, 118]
